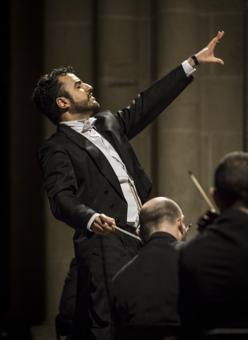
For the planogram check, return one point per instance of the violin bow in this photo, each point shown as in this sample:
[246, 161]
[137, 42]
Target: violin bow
[202, 192]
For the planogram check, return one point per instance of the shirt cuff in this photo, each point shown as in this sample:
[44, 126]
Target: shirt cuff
[188, 69]
[91, 220]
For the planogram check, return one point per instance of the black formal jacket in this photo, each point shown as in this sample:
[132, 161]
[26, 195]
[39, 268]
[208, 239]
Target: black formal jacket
[145, 291]
[80, 181]
[213, 272]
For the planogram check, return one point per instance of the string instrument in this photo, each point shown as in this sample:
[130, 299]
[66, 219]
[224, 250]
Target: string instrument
[211, 214]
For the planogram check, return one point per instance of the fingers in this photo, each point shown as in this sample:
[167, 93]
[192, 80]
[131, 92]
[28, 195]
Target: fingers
[206, 55]
[219, 61]
[187, 228]
[206, 219]
[100, 229]
[107, 219]
[216, 39]
[220, 34]
[103, 224]
[97, 228]
[213, 60]
[107, 222]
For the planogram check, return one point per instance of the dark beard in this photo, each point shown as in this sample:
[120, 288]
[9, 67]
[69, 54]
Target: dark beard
[79, 107]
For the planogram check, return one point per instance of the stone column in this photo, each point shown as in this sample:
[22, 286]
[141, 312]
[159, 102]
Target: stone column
[221, 87]
[124, 59]
[205, 122]
[178, 129]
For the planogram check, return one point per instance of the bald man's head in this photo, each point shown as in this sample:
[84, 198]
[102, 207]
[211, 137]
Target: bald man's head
[159, 214]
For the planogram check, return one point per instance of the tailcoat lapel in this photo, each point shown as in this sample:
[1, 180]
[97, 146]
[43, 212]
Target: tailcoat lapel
[109, 131]
[99, 159]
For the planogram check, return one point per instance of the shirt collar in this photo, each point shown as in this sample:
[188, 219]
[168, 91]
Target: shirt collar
[81, 125]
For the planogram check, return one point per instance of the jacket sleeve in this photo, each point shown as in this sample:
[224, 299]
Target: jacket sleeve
[61, 186]
[151, 102]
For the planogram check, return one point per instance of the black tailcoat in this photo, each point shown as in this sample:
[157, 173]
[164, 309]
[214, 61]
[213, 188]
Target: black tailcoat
[80, 182]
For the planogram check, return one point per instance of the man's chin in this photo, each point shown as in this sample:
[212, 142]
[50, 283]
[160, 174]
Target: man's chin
[95, 109]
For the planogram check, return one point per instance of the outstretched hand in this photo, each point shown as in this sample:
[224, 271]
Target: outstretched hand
[206, 55]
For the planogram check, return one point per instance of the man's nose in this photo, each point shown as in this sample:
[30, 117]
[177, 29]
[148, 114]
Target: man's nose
[88, 87]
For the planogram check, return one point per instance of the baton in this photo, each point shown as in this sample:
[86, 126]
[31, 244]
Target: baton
[128, 233]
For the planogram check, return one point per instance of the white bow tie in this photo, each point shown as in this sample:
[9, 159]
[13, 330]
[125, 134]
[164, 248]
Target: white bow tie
[88, 124]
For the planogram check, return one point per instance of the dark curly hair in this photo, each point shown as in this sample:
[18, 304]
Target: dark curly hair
[231, 178]
[48, 88]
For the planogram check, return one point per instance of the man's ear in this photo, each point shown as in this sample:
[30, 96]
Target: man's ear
[62, 102]
[180, 228]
